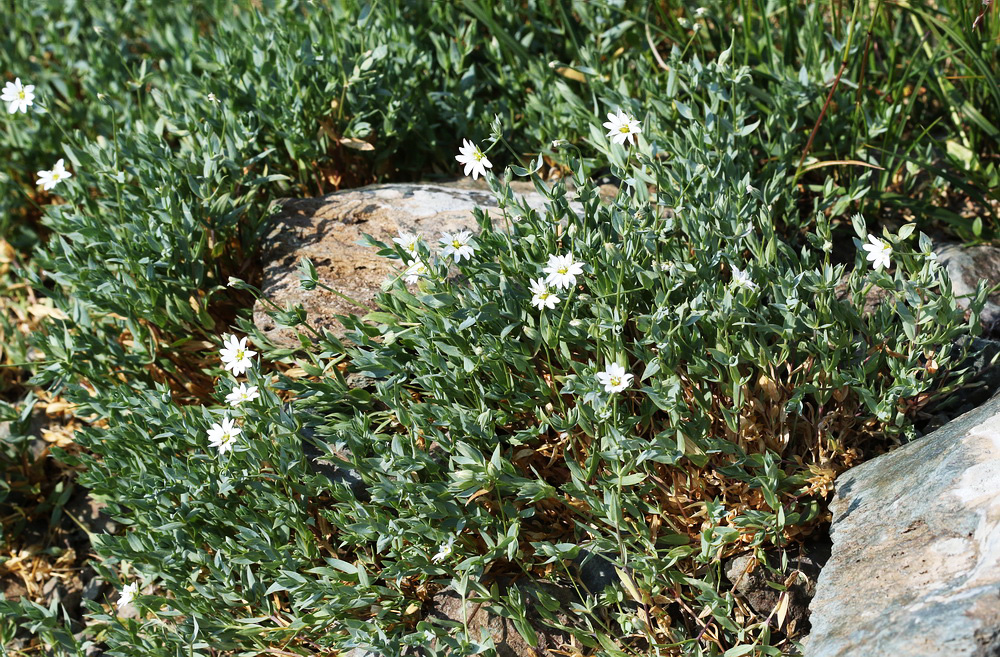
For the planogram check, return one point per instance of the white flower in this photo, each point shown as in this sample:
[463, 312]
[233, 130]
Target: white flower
[415, 271]
[408, 242]
[622, 127]
[879, 253]
[17, 96]
[614, 378]
[242, 393]
[542, 297]
[212, 99]
[128, 594]
[444, 551]
[235, 355]
[562, 271]
[742, 279]
[49, 179]
[223, 435]
[475, 160]
[457, 245]
[700, 11]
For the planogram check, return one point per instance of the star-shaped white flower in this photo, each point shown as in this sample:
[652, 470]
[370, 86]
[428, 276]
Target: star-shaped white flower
[742, 279]
[622, 127]
[128, 594]
[415, 271]
[408, 242]
[562, 271]
[879, 253]
[444, 551]
[457, 245]
[475, 160]
[223, 435]
[17, 96]
[235, 355]
[242, 393]
[49, 179]
[541, 296]
[212, 99]
[614, 378]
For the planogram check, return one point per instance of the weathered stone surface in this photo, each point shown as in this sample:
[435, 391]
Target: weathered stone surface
[915, 566]
[447, 606]
[327, 230]
[966, 266]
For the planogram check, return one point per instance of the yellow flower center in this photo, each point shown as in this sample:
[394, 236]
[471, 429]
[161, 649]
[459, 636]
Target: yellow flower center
[478, 155]
[456, 244]
[624, 128]
[543, 296]
[20, 94]
[615, 382]
[240, 354]
[563, 270]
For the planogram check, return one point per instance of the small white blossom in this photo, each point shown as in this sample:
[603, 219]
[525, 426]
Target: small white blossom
[622, 127]
[444, 551]
[127, 595]
[408, 242]
[742, 279]
[212, 99]
[475, 160]
[751, 189]
[879, 253]
[457, 245]
[614, 378]
[562, 271]
[235, 355]
[17, 96]
[242, 393]
[223, 435]
[700, 11]
[415, 271]
[542, 297]
[51, 178]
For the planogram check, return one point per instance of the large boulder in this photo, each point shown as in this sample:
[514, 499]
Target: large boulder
[915, 565]
[327, 230]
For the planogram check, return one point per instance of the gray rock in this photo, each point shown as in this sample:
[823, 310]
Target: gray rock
[91, 513]
[447, 606]
[324, 464]
[915, 565]
[327, 231]
[750, 579]
[594, 570]
[967, 266]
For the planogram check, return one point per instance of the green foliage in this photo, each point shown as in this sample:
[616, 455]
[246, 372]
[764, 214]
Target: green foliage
[181, 125]
[737, 392]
